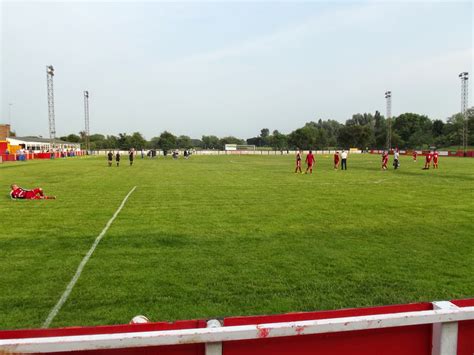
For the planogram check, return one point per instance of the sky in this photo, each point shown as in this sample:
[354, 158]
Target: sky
[228, 68]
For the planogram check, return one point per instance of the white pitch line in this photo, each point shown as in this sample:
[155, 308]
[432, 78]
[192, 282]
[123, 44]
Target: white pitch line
[83, 263]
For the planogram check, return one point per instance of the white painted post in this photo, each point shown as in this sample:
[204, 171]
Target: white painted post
[214, 348]
[445, 335]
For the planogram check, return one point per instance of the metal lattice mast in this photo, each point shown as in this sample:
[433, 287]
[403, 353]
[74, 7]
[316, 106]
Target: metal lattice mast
[464, 76]
[86, 120]
[52, 123]
[388, 100]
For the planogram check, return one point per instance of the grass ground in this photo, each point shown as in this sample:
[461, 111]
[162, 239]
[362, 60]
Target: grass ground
[232, 235]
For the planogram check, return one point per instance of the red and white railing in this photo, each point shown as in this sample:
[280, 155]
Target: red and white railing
[443, 319]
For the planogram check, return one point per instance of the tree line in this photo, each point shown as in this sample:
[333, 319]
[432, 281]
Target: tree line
[363, 130]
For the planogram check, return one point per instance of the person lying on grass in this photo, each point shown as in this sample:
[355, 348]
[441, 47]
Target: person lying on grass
[36, 194]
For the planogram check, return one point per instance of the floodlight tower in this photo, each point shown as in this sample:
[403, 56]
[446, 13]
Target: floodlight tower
[388, 101]
[52, 124]
[464, 76]
[86, 120]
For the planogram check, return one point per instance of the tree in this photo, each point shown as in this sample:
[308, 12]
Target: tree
[111, 142]
[167, 141]
[355, 136]
[303, 138]
[137, 141]
[123, 141]
[278, 140]
[264, 132]
[73, 138]
[414, 130]
[256, 141]
[210, 142]
[380, 131]
[438, 128]
[154, 142]
[453, 129]
[184, 142]
[196, 143]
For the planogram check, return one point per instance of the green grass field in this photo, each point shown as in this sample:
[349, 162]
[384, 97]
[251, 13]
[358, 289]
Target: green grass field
[232, 235]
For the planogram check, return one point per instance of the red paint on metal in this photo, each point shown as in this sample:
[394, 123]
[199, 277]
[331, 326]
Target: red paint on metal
[263, 332]
[465, 330]
[299, 330]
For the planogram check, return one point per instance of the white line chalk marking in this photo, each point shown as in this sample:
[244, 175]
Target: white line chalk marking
[83, 263]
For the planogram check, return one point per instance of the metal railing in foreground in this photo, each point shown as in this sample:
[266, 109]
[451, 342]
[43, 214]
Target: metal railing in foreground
[444, 318]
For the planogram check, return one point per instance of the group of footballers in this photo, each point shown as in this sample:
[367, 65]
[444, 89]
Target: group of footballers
[310, 161]
[432, 156]
[110, 157]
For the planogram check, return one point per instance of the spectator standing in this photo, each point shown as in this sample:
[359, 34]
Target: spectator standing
[344, 160]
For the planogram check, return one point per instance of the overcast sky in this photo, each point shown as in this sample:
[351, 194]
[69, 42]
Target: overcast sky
[226, 68]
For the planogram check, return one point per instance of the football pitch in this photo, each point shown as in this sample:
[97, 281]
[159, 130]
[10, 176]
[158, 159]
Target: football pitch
[217, 236]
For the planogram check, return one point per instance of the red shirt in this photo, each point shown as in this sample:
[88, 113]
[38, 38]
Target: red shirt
[428, 157]
[336, 158]
[18, 193]
[310, 159]
[435, 157]
[414, 154]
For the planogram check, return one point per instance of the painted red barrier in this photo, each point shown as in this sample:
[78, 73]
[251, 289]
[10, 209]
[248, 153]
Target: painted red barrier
[466, 330]
[30, 156]
[414, 340]
[187, 349]
[400, 329]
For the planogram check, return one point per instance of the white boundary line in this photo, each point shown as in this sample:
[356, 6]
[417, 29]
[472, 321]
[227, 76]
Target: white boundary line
[83, 263]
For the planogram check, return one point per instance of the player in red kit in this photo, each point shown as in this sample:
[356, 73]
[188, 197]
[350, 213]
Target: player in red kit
[428, 161]
[435, 160]
[309, 162]
[298, 162]
[414, 156]
[35, 194]
[336, 161]
[384, 160]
